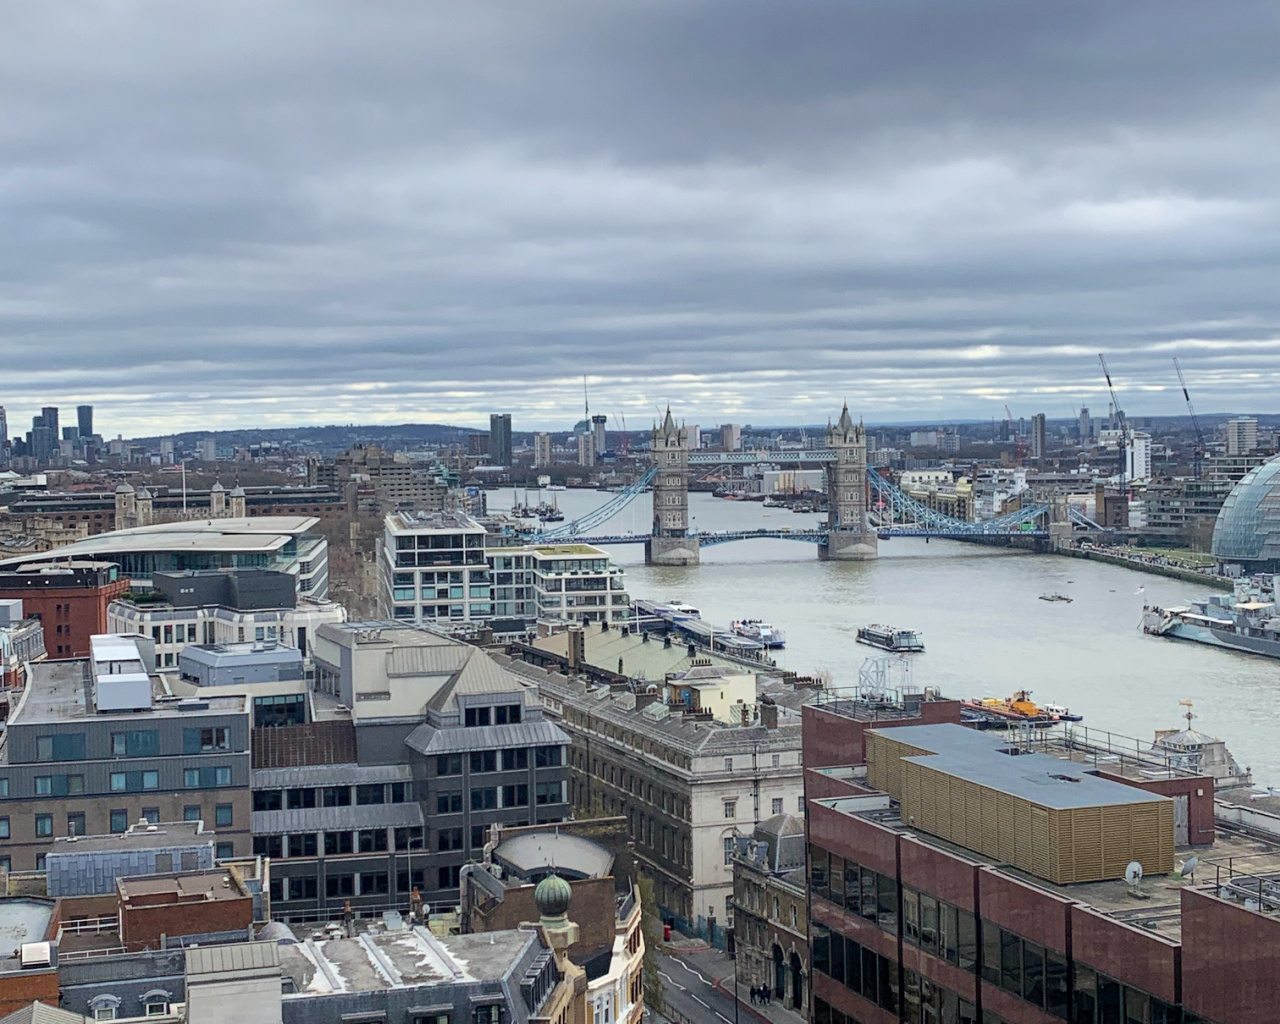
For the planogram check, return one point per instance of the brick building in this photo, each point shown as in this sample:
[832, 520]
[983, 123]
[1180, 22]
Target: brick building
[960, 878]
[206, 903]
[69, 598]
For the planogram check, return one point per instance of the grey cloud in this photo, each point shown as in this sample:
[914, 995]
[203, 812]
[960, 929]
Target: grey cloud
[223, 214]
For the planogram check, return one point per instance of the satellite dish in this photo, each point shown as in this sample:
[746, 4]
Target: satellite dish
[1133, 873]
[1189, 867]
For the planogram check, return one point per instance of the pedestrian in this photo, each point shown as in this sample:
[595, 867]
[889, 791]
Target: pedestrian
[753, 994]
[768, 995]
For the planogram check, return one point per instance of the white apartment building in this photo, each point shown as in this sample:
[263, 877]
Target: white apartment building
[1242, 435]
[1138, 457]
[435, 567]
[542, 451]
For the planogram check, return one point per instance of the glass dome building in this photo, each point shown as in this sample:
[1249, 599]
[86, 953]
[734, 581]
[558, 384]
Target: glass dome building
[1247, 532]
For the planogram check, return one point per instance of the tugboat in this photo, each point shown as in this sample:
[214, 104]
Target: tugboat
[759, 631]
[900, 641]
[1056, 597]
[1020, 709]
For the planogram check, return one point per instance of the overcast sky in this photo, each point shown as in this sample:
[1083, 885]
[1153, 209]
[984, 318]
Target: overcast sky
[229, 214]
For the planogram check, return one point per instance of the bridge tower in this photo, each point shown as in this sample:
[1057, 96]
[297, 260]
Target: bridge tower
[848, 537]
[671, 543]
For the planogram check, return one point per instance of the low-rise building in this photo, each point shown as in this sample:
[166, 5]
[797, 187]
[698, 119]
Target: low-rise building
[84, 865]
[29, 930]
[95, 744]
[688, 783]
[70, 597]
[221, 607]
[239, 664]
[21, 643]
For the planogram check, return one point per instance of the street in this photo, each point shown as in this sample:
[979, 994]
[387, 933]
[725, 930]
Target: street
[692, 994]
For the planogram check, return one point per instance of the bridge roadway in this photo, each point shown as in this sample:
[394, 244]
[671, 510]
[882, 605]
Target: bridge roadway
[814, 455]
[807, 536]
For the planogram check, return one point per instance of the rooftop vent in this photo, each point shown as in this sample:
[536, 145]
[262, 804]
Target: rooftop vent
[35, 954]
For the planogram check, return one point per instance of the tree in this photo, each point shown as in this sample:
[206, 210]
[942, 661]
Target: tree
[651, 923]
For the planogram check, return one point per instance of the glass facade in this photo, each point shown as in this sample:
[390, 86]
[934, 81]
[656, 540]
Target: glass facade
[1248, 526]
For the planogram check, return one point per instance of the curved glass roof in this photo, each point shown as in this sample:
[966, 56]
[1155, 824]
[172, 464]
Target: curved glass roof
[1248, 526]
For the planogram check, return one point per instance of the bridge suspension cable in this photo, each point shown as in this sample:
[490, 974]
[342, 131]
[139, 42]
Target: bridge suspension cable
[597, 516]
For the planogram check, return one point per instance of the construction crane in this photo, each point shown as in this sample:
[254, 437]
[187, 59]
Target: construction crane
[1198, 455]
[1121, 422]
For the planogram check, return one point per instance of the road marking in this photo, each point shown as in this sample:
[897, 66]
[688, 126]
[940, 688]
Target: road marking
[723, 1017]
[692, 971]
[698, 1001]
[669, 979]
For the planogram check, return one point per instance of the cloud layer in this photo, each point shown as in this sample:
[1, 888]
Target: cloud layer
[267, 212]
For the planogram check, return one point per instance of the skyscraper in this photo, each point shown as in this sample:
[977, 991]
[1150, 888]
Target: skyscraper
[1037, 436]
[4, 437]
[1084, 424]
[84, 418]
[49, 414]
[500, 439]
[1242, 435]
[598, 426]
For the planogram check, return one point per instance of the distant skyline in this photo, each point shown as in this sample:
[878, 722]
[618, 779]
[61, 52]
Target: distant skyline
[244, 214]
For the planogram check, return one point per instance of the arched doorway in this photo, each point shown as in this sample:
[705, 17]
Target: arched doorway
[779, 974]
[797, 982]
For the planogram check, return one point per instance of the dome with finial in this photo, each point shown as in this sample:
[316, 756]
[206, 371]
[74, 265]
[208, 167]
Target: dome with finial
[125, 487]
[217, 486]
[237, 492]
[552, 896]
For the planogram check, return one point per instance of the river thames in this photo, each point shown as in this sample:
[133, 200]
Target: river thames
[986, 632]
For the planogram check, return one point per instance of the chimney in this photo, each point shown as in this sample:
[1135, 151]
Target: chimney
[604, 625]
[768, 713]
[693, 650]
[666, 639]
[577, 648]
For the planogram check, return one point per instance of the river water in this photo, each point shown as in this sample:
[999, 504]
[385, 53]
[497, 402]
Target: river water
[986, 632]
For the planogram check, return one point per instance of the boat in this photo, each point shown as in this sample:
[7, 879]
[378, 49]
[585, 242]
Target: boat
[759, 631]
[1020, 709]
[681, 610]
[1245, 620]
[556, 487]
[889, 639]
[1056, 597]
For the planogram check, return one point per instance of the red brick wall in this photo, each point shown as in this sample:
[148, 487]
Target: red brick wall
[83, 613]
[142, 926]
[21, 988]
[833, 739]
[1229, 961]
[1199, 793]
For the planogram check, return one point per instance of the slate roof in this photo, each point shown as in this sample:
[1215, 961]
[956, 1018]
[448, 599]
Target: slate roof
[427, 739]
[336, 819]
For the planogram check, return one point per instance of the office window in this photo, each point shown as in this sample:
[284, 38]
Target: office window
[777, 805]
[550, 793]
[191, 812]
[401, 792]
[409, 838]
[448, 839]
[484, 799]
[268, 799]
[4, 827]
[728, 764]
[372, 840]
[448, 764]
[44, 824]
[447, 877]
[483, 761]
[135, 743]
[492, 1014]
[728, 849]
[268, 846]
[155, 1008]
[515, 796]
[515, 759]
[4, 788]
[62, 747]
[449, 802]
[302, 844]
[548, 757]
[338, 842]
[335, 796]
[371, 794]
[475, 717]
[44, 785]
[151, 815]
[505, 714]
[222, 815]
[40, 861]
[776, 762]
[119, 820]
[477, 837]
[339, 885]
[374, 883]
[206, 778]
[75, 823]
[731, 808]
[203, 741]
[800, 804]
[302, 887]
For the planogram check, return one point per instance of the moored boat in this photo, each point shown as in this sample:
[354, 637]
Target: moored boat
[1246, 620]
[887, 638]
[759, 631]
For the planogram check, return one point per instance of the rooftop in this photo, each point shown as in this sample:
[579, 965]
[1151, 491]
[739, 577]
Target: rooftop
[566, 550]
[528, 853]
[989, 761]
[59, 691]
[141, 836]
[23, 919]
[260, 534]
[200, 886]
[376, 961]
[640, 658]
[413, 522]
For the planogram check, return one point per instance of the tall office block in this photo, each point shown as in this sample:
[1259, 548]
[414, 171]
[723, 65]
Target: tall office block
[500, 439]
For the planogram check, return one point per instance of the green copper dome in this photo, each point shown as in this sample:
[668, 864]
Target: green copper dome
[552, 896]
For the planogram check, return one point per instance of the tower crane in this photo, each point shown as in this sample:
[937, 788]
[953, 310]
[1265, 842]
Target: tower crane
[1120, 420]
[1198, 455]
[1015, 434]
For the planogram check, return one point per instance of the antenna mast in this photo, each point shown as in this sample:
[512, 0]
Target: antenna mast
[1195, 423]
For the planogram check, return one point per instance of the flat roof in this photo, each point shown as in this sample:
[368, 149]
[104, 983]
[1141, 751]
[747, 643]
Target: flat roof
[968, 754]
[210, 886]
[140, 836]
[60, 691]
[261, 534]
[23, 919]
[415, 957]
[561, 550]
[414, 522]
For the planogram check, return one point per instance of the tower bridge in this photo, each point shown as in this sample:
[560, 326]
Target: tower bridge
[863, 507]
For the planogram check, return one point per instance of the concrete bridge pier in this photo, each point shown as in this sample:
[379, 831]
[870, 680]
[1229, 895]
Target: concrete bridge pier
[672, 551]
